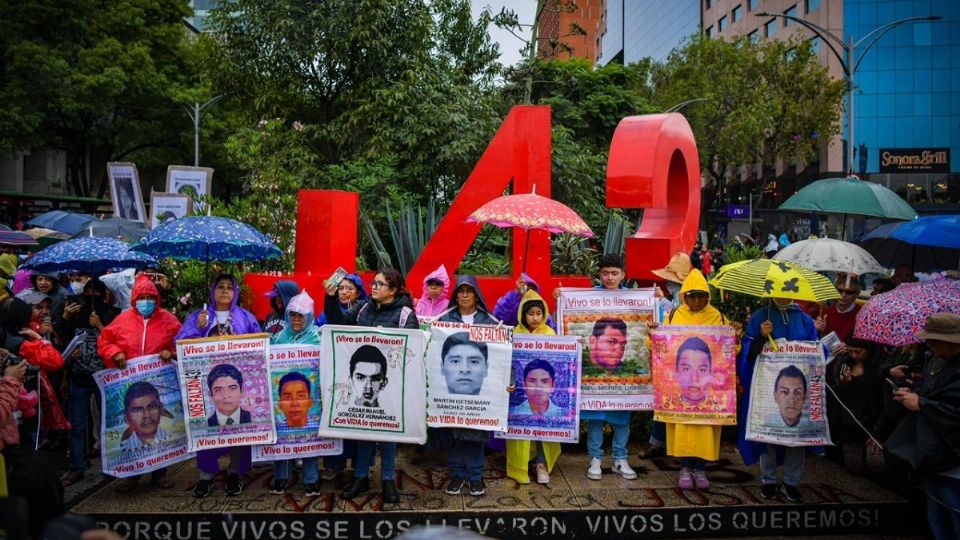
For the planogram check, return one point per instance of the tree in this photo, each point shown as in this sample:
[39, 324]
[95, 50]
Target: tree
[762, 102]
[78, 74]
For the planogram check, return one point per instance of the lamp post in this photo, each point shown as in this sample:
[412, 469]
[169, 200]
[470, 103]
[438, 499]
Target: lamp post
[194, 114]
[849, 60]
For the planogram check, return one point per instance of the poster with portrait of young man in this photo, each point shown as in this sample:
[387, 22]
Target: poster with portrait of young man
[142, 423]
[194, 182]
[295, 383]
[694, 374]
[227, 397]
[787, 396]
[613, 328]
[166, 207]
[373, 384]
[125, 191]
[468, 371]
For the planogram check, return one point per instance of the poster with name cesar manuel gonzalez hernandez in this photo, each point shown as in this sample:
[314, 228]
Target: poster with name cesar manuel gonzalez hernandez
[616, 362]
[544, 406]
[468, 371]
[787, 396]
[373, 384]
[295, 385]
[226, 391]
[141, 420]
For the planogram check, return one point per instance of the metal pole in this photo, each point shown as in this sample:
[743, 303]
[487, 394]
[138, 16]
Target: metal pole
[750, 216]
[196, 134]
[848, 50]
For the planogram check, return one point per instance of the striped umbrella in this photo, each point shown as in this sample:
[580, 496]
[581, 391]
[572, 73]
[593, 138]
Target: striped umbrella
[16, 239]
[772, 278]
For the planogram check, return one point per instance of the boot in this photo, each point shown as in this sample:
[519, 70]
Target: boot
[358, 486]
[390, 493]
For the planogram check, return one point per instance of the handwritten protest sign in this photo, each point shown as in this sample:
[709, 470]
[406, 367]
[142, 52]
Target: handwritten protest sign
[141, 427]
[616, 362]
[787, 402]
[295, 385]
[226, 392]
[547, 373]
[468, 371]
[373, 384]
[694, 375]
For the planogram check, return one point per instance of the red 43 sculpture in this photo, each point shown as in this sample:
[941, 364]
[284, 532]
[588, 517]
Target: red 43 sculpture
[653, 165]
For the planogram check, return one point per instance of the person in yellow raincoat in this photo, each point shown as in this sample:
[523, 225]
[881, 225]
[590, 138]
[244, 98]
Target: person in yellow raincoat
[694, 444]
[532, 316]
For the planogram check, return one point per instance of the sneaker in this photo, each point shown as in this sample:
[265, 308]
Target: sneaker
[623, 469]
[203, 488]
[328, 474]
[278, 486]
[70, 478]
[543, 477]
[594, 472]
[769, 491]
[700, 479]
[234, 485]
[477, 488]
[312, 490]
[454, 486]
[791, 493]
[686, 479]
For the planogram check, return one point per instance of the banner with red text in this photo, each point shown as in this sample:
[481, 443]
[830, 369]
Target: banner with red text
[468, 371]
[226, 391]
[787, 396]
[141, 420]
[373, 384]
[295, 385]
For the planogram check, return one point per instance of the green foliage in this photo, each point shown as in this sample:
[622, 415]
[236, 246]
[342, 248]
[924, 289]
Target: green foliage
[410, 230]
[572, 254]
[737, 307]
[615, 239]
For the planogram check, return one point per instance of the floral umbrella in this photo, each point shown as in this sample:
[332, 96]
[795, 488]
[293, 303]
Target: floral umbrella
[895, 317]
[829, 255]
[208, 238]
[91, 255]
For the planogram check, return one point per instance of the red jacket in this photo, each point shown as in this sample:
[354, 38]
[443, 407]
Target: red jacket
[135, 336]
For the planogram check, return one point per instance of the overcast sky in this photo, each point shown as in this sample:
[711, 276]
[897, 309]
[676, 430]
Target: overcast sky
[509, 45]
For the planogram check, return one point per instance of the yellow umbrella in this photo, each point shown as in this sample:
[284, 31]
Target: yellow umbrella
[772, 278]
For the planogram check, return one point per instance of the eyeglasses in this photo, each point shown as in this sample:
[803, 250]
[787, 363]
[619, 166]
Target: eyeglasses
[377, 284]
[848, 292]
[138, 411]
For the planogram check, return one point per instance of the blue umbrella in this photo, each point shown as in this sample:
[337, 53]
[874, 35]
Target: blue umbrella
[61, 221]
[115, 227]
[93, 255]
[208, 238]
[927, 243]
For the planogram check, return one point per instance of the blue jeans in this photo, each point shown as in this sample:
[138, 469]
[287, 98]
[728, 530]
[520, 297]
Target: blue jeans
[282, 468]
[367, 453]
[658, 434]
[793, 458]
[466, 460]
[944, 522]
[621, 434]
[338, 462]
[78, 407]
[693, 463]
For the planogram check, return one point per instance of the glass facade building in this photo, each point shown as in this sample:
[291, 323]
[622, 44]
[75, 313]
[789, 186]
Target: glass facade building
[651, 28]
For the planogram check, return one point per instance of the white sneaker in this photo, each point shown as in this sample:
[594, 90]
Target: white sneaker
[623, 469]
[543, 477]
[594, 472]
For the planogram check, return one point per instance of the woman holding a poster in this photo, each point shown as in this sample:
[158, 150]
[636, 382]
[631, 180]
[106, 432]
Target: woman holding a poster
[223, 317]
[539, 383]
[694, 444]
[145, 329]
[391, 306]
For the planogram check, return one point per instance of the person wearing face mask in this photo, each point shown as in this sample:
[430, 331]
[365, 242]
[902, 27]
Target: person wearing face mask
[145, 329]
[781, 318]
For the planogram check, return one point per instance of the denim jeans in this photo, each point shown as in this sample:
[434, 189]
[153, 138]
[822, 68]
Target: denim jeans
[282, 468]
[658, 434]
[466, 460]
[78, 407]
[793, 458]
[338, 462]
[693, 463]
[621, 434]
[367, 453]
[942, 490]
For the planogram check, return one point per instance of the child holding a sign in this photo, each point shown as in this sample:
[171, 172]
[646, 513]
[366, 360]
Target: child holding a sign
[538, 382]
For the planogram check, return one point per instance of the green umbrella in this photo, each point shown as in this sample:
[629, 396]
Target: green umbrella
[852, 196]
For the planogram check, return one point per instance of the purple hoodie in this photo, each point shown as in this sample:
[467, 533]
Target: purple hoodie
[241, 320]
[433, 308]
[508, 304]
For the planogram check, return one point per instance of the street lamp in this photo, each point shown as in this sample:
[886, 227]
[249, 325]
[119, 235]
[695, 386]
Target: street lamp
[194, 114]
[847, 61]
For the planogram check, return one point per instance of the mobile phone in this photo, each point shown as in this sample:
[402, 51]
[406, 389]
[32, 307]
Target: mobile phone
[893, 386]
[336, 277]
[76, 299]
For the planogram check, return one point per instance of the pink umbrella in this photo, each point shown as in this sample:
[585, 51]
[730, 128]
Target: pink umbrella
[894, 318]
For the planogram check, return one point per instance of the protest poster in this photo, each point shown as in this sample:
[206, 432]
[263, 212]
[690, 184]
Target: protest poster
[787, 396]
[295, 385]
[694, 374]
[543, 406]
[616, 361]
[194, 182]
[141, 420]
[468, 371]
[373, 383]
[166, 207]
[226, 391]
